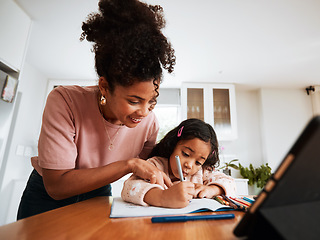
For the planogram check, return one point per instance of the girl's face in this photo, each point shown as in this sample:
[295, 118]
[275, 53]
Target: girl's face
[193, 153]
[128, 105]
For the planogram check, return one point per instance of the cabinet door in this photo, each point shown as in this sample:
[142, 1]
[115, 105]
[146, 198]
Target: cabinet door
[213, 103]
[15, 25]
[195, 106]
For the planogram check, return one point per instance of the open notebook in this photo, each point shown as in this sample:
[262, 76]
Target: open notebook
[122, 209]
[289, 205]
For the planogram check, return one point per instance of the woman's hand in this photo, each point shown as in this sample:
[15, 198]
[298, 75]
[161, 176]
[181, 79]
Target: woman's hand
[177, 196]
[147, 171]
[205, 191]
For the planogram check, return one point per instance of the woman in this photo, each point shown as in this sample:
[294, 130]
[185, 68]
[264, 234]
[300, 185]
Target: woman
[92, 136]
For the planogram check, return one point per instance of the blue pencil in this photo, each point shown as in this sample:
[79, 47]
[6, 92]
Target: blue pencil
[179, 168]
[184, 218]
[248, 200]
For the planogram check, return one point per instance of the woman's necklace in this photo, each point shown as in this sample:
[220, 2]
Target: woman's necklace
[104, 124]
[114, 137]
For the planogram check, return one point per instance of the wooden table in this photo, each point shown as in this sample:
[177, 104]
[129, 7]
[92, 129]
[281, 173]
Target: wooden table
[90, 220]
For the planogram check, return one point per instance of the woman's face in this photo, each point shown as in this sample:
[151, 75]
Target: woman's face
[193, 153]
[129, 105]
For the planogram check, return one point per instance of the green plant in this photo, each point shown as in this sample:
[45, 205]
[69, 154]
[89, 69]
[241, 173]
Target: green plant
[226, 167]
[230, 164]
[258, 175]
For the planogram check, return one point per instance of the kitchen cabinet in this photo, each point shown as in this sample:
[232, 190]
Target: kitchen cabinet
[214, 104]
[15, 25]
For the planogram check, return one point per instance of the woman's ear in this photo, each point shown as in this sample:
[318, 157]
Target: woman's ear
[103, 86]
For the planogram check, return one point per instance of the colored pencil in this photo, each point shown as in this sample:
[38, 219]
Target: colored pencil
[221, 200]
[241, 201]
[248, 199]
[232, 204]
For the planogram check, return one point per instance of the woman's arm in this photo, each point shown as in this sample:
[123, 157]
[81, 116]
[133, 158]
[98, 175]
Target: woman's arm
[61, 184]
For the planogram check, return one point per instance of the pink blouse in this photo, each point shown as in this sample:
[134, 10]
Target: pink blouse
[73, 133]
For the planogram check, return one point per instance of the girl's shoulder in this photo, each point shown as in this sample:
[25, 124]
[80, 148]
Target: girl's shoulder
[160, 162]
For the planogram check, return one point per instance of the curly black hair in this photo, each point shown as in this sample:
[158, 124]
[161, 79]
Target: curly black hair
[192, 128]
[128, 43]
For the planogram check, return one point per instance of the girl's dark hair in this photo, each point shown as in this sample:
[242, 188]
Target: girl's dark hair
[128, 43]
[192, 128]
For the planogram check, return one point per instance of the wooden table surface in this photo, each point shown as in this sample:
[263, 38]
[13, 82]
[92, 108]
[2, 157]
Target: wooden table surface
[90, 220]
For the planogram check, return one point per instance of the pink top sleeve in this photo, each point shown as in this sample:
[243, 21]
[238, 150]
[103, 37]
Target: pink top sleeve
[220, 179]
[135, 188]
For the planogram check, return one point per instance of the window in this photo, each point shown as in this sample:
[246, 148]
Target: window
[168, 117]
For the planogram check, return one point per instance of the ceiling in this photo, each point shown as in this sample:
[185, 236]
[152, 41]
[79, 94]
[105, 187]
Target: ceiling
[266, 43]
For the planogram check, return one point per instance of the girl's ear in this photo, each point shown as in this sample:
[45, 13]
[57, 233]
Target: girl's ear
[209, 168]
[103, 86]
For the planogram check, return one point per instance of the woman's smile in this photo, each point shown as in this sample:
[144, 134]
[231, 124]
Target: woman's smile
[129, 105]
[136, 120]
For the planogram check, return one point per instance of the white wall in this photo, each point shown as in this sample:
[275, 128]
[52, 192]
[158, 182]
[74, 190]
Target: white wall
[32, 89]
[269, 122]
[284, 114]
[247, 147]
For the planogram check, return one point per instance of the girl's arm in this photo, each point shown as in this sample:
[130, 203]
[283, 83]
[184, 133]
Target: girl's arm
[218, 179]
[177, 196]
[207, 191]
[61, 184]
[139, 191]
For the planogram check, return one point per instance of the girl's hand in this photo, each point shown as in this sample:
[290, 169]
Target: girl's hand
[147, 171]
[205, 191]
[179, 195]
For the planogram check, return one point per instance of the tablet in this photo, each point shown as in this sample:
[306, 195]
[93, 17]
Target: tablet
[289, 205]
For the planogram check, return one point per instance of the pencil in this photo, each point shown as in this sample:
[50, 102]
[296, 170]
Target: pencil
[223, 201]
[241, 201]
[248, 200]
[179, 168]
[232, 204]
[238, 204]
[220, 200]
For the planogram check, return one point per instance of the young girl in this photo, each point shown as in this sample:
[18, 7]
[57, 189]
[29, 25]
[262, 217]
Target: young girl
[195, 142]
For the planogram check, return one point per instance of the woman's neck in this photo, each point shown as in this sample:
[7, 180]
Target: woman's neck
[105, 113]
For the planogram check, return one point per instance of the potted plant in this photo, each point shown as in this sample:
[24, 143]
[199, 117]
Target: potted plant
[227, 165]
[258, 176]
